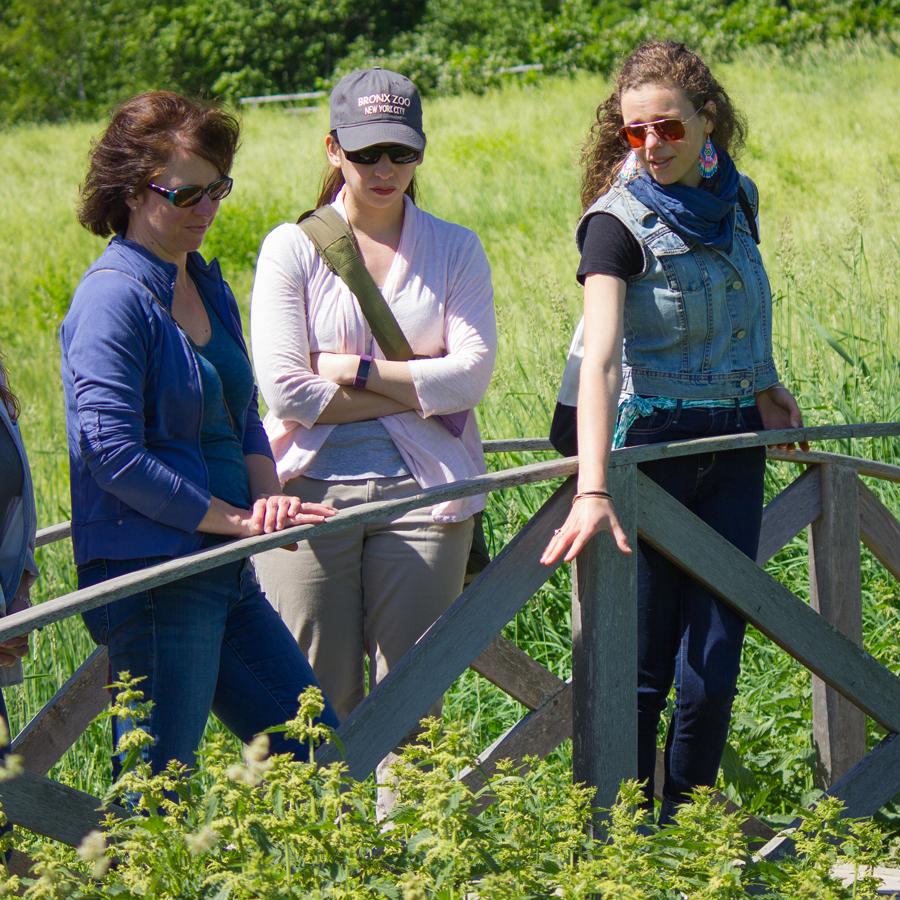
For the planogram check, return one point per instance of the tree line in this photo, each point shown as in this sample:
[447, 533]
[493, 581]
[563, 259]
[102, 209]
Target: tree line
[62, 59]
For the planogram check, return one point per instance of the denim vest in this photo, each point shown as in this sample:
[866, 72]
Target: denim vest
[698, 322]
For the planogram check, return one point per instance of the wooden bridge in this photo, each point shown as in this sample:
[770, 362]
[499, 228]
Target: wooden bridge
[598, 702]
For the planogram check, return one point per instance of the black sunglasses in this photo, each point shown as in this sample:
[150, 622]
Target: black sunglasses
[191, 194]
[396, 153]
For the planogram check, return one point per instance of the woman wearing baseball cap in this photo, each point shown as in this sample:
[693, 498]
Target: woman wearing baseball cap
[349, 426]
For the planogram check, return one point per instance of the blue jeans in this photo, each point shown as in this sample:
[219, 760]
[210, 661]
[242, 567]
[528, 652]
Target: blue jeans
[685, 634]
[210, 641]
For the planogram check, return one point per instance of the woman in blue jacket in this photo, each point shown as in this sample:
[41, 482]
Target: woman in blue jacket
[672, 276]
[18, 522]
[167, 453]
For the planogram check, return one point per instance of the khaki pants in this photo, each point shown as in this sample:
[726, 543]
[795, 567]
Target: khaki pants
[365, 592]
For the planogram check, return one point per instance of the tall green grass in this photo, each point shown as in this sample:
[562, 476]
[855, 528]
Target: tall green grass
[823, 154]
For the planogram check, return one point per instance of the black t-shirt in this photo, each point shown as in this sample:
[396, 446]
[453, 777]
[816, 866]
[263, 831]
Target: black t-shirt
[609, 249]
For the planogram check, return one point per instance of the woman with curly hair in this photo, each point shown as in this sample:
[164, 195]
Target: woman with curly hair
[674, 283]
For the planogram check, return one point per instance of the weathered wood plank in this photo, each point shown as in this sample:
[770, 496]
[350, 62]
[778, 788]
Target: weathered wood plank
[872, 782]
[19, 864]
[65, 716]
[772, 608]
[629, 455]
[879, 529]
[49, 808]
[516, 673]
[282, 98]
[107, 591]
[882, 470]
[869, 785]
[516, 445]
[397, 704]
[537, 734]
[789, 513]
[99, 595]
[888, 879]
[53, 533]
[604, 653]
[839, 727]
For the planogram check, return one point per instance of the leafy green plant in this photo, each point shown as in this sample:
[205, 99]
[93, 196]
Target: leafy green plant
[269, 826]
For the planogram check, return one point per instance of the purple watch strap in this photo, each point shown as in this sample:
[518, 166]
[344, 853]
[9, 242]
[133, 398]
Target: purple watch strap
[362, 373]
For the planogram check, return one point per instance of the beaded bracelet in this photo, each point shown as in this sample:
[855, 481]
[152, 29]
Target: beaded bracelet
[603, 495]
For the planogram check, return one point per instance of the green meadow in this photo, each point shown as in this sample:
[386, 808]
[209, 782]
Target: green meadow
[822, 151]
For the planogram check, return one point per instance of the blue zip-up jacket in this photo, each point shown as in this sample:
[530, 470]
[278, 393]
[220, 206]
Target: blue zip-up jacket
[18, 530]
[134, 406]
[16, 539]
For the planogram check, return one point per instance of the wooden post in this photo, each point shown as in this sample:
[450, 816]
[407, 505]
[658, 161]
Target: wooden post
[604, 653]
[839, 727]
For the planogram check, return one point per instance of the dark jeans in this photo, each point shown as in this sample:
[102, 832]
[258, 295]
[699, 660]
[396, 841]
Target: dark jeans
[207, 642]
[684, 633]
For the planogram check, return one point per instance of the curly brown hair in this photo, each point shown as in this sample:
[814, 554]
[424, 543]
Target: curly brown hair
[654, 62]
[141, 136]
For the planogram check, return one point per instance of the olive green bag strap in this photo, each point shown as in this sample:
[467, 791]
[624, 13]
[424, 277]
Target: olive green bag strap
[334, 239]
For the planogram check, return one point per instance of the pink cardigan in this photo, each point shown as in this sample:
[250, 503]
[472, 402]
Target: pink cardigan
[439, 289]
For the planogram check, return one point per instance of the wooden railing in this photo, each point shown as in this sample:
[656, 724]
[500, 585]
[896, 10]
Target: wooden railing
[312, 96]
[596, 708]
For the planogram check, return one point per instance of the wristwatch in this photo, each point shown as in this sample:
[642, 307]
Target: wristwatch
[362, 373]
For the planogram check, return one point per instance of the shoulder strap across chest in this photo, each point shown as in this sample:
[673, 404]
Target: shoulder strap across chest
[334, 240]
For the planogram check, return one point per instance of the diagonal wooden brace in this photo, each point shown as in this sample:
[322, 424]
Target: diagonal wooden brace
[65, 716]
[769, 606]
[397, 704]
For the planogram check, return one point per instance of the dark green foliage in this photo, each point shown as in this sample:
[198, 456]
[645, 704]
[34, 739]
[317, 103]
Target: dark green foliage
[594, 35]
[233, 48]
[69, 58]
[75, 58]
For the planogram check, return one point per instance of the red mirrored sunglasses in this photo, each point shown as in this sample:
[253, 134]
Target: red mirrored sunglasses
[635, 134]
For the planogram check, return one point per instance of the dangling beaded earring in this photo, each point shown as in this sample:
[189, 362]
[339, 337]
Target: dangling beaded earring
[708, 163]
[630, 170]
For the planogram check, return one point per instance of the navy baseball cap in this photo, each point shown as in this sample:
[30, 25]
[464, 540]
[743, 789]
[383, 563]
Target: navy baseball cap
[376, 106]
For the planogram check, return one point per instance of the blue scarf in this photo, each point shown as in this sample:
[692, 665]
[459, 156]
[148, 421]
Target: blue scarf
[699, 216]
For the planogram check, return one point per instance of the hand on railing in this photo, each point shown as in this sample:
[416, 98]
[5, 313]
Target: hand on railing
[589, 516]
[280, 511]
[778, 409]
[270, 513]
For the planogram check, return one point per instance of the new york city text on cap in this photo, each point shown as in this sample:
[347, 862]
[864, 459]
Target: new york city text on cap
[376, 106]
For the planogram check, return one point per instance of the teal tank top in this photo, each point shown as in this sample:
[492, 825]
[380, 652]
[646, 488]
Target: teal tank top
[227, 383]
